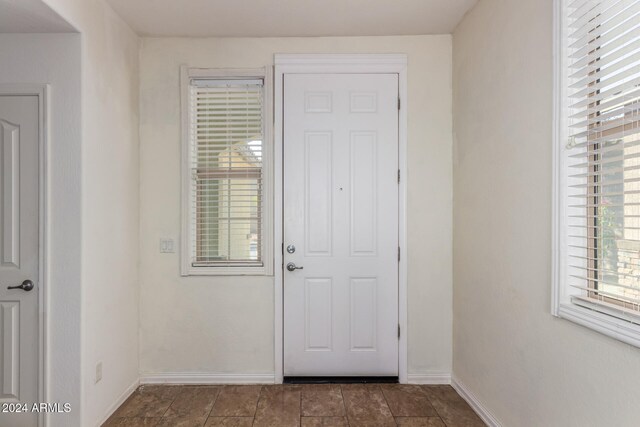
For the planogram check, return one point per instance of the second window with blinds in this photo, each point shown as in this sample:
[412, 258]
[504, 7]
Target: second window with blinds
[597, 262]
[226, 179]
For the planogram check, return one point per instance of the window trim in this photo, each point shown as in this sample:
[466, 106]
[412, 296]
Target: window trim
[561, 305]
[186, 268]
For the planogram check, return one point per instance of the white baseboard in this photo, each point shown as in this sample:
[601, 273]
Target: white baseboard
[436, 378]
[482, 411]
[205, 378]
[119, 401]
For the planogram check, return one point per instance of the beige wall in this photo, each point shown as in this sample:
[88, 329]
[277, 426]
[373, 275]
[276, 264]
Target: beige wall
[110, 206]
[225, 325]
[528, 368]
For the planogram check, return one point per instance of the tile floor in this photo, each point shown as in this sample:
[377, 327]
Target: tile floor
[308, 405]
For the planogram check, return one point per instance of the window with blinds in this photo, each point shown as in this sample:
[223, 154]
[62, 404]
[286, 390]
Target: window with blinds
[226, 174]
[601, 156]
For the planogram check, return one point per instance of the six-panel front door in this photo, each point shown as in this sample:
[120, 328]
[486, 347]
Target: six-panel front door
[19, 258]
[341, 225]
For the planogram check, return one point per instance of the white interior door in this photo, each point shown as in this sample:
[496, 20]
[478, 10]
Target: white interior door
[19, 258]
[341, 215]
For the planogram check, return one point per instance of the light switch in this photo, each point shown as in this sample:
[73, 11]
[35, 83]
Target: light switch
[167, 246]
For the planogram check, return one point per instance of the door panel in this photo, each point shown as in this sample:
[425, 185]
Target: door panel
[341, 214]
[318, 193]
[363, 194]
[318, 331]
[19, 260]
[363, 315]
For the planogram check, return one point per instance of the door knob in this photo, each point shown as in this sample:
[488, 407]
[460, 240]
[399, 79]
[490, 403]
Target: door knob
[27, 285]
[292, 267]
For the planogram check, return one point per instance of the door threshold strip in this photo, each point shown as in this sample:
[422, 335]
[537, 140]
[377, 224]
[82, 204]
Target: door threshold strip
[340, 380]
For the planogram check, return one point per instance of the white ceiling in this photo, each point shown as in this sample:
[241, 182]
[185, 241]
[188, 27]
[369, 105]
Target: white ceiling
[272, 18]
[30, 16]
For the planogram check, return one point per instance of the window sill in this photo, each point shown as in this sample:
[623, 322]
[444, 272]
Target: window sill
[610, 326]
[225, 271]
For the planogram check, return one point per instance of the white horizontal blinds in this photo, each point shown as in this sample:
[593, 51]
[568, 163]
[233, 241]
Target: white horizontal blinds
[603, 155]
[226, 136]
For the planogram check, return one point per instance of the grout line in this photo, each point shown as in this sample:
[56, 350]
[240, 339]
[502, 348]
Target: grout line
[387, 403]
[172, 400]
[344, 405]
[214, 402]
[255, 412]
[434, 406]
[436, 409]
[423, 389]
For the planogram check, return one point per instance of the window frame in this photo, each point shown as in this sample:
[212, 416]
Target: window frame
[241, 269]
[605, 320]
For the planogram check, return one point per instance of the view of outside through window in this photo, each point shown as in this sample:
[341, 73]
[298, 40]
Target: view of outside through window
[227, 172]
[604, 82]
[617, 233]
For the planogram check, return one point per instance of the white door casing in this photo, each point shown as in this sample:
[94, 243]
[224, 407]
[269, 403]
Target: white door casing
[341, 213]
[20, 255]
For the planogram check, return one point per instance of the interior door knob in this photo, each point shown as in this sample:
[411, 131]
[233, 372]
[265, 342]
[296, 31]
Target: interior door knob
[292, 267]
[27, 285]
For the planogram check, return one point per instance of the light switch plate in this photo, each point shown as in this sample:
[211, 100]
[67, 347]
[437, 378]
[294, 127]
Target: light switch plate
[167, 246]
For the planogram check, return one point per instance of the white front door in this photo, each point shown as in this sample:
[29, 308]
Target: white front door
[19, 258]
[341, 215]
